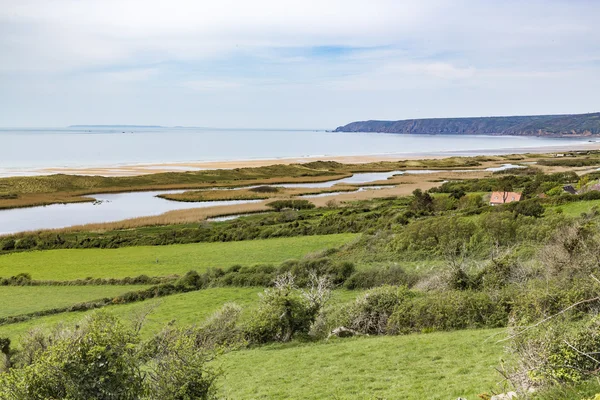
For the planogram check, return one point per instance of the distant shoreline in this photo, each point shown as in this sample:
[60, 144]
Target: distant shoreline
[151, 168]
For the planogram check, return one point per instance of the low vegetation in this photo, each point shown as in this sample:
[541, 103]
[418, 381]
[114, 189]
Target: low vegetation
[375, 298]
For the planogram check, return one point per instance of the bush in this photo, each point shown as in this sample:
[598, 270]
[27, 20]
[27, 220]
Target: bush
[25, 243]
[450, 310]
[179, 369]
[103, 358]
[7, 244]
[285, 311]
[541, 299]
[370, 312]
[98, 361]
[221, 330]
[279, 205]
[530, 208]
[370, 278]
[559, 352]
[422, 202]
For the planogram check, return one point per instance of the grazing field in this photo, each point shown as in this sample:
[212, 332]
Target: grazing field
[17, 300]
[185, 309]
[577, 208]
[443, 365]
[69, 264]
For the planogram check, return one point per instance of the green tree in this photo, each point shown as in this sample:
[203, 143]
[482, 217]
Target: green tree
[422, 202]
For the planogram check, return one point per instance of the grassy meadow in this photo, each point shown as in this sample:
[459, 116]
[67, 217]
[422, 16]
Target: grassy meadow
[577, 208]
[183, 309]
[70, 264]
[17, 300]
[442, 365]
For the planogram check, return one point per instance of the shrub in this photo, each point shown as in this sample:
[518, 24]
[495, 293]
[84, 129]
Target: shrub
[530, 208]
[370, 312]
[97, 361]
[422, 202]
[558, 352]
[103, 358]
[471, 201]
[370, 278]
[285, 311]
[541, 299]
[179, 369]
[279, 205]
[7, 244]
[450, 310]
[221, 330]
[25, 243]
[265, 189]
[499, 272]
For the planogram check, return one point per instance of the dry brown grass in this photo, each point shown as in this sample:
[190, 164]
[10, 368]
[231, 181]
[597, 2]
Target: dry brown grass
[170, 218]
[42, 199]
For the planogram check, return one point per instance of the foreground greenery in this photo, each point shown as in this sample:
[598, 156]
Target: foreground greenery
[430, 366]
[429, 279]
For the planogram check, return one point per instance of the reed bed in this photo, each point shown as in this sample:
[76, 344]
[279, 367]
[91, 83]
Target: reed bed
[170, 218]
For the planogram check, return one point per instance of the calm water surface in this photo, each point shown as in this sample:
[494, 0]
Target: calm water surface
[109, 208]
[38, 148]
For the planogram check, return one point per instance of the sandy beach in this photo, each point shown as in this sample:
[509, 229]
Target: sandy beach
[152, 168]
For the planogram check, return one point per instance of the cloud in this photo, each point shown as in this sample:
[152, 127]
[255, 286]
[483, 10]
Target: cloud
[241, 57]
[205, 85]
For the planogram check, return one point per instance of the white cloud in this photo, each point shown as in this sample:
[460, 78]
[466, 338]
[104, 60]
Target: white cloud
[446, 56]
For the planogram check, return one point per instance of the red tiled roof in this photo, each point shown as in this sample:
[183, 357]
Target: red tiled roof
[504, 197]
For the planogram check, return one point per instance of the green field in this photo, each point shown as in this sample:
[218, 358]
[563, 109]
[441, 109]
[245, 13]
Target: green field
[575, 209]
[68, 264]
[17, 300]
[185, 308]
[443, 365]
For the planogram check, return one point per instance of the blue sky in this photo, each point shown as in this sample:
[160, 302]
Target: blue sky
[293, 64]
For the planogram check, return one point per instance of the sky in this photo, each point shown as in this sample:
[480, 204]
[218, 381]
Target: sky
[293, 64]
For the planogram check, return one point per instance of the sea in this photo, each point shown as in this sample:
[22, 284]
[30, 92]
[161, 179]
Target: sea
[23, 151]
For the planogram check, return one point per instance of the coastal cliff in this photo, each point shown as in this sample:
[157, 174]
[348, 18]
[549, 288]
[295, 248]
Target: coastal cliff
[536, 125]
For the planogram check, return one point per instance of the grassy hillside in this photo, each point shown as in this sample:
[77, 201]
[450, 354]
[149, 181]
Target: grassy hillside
[534, 125]
[69, 264]
[442, 365]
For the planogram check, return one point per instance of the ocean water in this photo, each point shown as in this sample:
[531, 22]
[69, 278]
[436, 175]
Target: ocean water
[25, 149]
